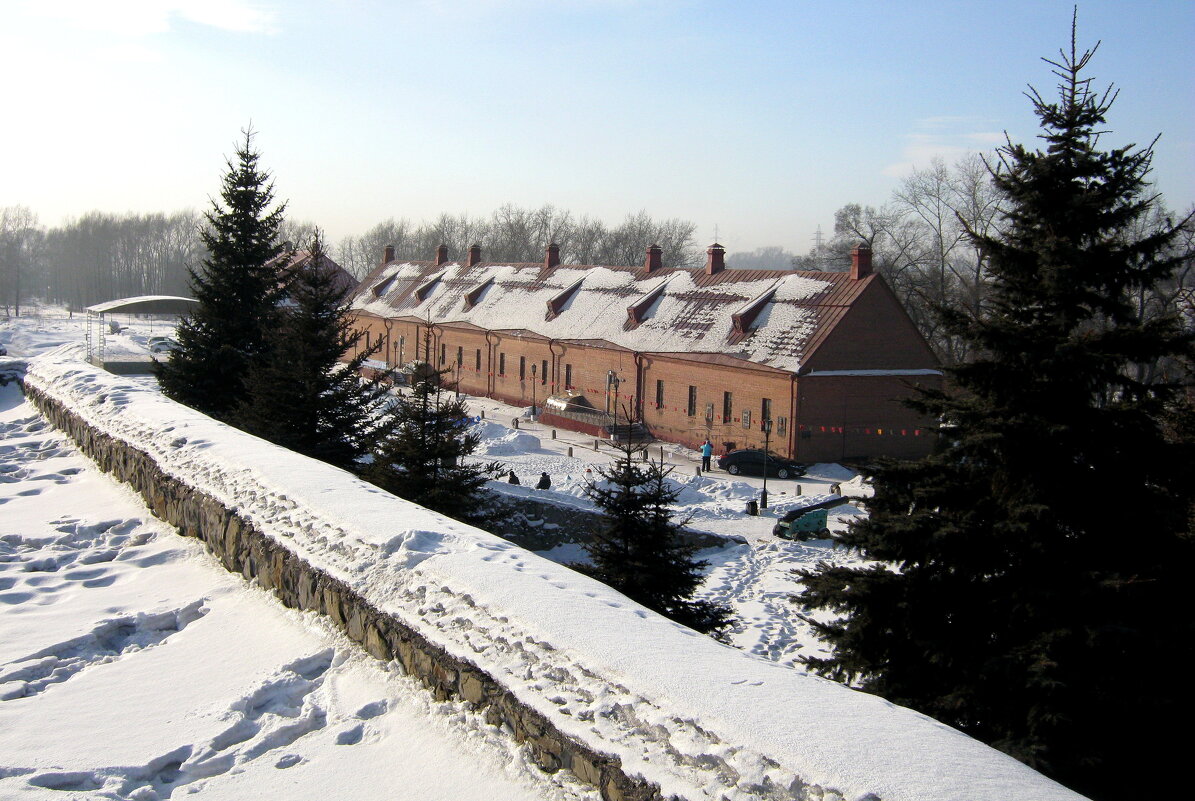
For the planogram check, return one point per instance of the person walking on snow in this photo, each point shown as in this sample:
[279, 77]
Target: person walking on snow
[707, 450]
[544, 482]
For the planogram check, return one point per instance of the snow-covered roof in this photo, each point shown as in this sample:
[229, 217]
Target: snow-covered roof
[146, 304]
[291, 260]
[675, 310]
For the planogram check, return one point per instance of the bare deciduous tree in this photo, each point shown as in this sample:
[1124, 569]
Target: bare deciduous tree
[515, 234]
[20, 245]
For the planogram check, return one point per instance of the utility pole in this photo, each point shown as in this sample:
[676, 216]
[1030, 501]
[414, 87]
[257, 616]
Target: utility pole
[766, 425]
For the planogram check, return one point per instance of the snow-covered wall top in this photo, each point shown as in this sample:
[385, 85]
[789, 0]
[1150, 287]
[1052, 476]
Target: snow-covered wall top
[679, 310]
[699, 719]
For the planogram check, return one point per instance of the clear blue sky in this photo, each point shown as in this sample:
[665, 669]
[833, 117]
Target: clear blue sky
[760, 118]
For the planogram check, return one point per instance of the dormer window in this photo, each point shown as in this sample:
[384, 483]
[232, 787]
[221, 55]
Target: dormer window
[559, 303]
[383, 287]
[426, 288]
[474, 296]
[645, 307]
[744, 319]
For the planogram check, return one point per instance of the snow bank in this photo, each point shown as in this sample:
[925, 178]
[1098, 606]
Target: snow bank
[699, 719]
[498, 440]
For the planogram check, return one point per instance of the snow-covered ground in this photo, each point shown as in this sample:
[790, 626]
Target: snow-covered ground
[133, 667]
[756, 579]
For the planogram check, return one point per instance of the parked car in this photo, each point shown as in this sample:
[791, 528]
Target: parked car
[751, 462]
[162, 345]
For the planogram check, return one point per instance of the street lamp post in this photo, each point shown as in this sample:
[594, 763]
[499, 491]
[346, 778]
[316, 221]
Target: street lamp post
[766, 425]
[533, 392]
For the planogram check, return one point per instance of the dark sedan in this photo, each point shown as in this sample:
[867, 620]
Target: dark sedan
[751, 462]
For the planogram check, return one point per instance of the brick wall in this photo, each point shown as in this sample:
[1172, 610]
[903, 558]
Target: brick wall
[590, 367]
[508, 385]
[847, 418]
[671, 421]
[874, 334]
[472, 346]
[822, 418]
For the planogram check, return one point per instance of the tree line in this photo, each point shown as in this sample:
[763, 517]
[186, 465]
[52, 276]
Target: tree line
[102, 256]
[927, 242]
[515, 234]
[919, 242]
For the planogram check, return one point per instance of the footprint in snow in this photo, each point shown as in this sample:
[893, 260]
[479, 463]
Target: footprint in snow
[111, 640]
[351, 735]
[372, 710]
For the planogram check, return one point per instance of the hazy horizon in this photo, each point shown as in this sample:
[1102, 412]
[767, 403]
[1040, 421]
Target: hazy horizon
[756, 120]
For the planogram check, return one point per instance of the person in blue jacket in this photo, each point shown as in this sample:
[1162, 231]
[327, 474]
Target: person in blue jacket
[707, 451]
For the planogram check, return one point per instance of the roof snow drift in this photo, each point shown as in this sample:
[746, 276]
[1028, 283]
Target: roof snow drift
[766, 317]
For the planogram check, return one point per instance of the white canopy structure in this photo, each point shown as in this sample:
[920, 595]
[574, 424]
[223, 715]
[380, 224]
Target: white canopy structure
[142, 304]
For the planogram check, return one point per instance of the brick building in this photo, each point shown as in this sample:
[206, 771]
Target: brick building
[290, 261]
[689, 352]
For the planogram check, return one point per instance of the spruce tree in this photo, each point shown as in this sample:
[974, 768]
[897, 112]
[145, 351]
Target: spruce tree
[641, 550]
[237, 289]
[301, 396]
[423, 459]
[1029, 581]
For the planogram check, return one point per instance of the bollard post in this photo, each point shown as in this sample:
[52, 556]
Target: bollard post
[798, 491]
[553, 433]
[570, 451]
[515, 422]
[483, 414]
[595, 444]
[697, 471]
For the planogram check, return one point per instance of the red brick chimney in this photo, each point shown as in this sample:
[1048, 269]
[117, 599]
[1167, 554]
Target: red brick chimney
[474, 256]
[715, 259]
[860, 261]
[654, 260]
[441, 255]
[388, 254]
[552, 257]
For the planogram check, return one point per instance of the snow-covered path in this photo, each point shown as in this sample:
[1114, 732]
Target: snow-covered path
[754, 579]
[132, 666]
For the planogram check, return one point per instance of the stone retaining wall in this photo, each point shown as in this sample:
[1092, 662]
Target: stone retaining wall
[244, 550]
